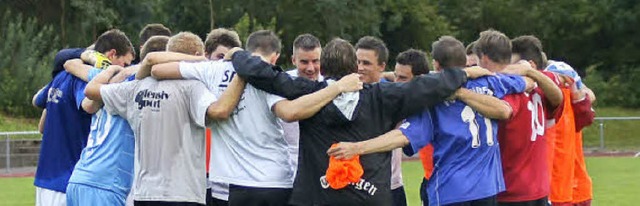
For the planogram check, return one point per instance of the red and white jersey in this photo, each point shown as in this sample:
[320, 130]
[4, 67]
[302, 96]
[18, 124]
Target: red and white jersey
[523, 146]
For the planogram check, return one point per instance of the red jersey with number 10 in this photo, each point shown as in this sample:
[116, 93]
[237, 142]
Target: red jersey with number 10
[523, 146]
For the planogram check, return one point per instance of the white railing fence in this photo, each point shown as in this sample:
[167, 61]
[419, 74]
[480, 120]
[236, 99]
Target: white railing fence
[19, 149]
[23, 151]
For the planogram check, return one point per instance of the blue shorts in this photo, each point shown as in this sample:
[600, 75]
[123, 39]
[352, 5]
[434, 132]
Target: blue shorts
[79, 195]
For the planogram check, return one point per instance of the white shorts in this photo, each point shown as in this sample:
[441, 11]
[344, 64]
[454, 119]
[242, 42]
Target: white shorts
[47, 197]
[129, 201]
[219, 190]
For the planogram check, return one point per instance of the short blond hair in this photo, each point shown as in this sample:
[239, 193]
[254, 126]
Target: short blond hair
[186, 43]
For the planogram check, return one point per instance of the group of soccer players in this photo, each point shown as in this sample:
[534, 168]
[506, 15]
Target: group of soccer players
[503, 132]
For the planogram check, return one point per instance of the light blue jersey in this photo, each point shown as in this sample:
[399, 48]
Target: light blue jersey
[466, 154]
[107, 160]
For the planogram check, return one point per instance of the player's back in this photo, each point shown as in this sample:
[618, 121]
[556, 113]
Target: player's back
[249, 148]
[65, 131]
[320, 131]
[107, 160]
[466, 152]
[523, 146]
[167, 118]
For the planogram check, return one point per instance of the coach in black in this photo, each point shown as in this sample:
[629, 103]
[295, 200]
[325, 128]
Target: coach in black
[351, 117]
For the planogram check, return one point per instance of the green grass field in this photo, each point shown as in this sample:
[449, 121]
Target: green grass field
[17, 124]
[616, 182]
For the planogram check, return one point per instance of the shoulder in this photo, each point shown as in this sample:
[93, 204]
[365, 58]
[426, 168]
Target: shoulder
[553, 76]
[293, 72]
[189, 83]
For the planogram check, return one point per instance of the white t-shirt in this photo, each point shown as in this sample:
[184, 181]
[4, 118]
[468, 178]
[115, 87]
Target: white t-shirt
[396, 168]
[249, 148]
[168, 120]
[294, 73]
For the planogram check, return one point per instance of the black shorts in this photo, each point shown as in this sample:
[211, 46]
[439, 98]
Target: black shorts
[539, 202]
[249, 196]
[160, 203]
[489, 201]
[399, 198]
[424, 196]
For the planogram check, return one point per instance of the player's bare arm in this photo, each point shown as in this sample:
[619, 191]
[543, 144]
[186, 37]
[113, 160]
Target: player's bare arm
[589, 92]
[35, 97]
[91, 106]
[476, 72]
[77, 68]
[169, 70]
[308, 105]
[154, 58]
[383, 143]
[530, 84]
[550, 89]
[89, 56]
[389, 76]
[92, 90]
[124, 74]
[228, 101]
[489, 106]
[43, 116]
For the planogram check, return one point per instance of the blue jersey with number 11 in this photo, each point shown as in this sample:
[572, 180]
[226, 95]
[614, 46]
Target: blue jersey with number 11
[466, 153]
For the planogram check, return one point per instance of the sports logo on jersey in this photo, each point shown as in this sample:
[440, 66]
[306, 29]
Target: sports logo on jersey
[146, 98]
[362, 185]
[405, 125]
[54, 95]
[323, 182]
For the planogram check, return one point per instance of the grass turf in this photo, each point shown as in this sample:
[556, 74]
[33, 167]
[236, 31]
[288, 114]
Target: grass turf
[615, 182]
[17, 191]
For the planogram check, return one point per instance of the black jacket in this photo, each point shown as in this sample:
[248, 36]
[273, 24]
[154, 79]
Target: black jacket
[379, 108]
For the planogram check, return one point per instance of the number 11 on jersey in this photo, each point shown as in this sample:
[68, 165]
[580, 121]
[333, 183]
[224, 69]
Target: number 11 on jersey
[469, 116]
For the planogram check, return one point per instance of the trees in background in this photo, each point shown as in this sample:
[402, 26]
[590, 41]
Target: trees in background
[598, 34]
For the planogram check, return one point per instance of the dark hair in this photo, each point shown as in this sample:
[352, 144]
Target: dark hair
[470, 47]
[338, 59]
[375, 44]
[449, 52]
[306, 42]
[153, 30]
[264, 42]
[529, 48]
[221, 37]
[495, 45]
[416, 59]
[155, 43]
[114, 39]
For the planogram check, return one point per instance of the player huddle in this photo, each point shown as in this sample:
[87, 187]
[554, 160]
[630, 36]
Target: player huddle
[495, 123]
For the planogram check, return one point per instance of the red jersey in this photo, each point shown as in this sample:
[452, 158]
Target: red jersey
[523, 146]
